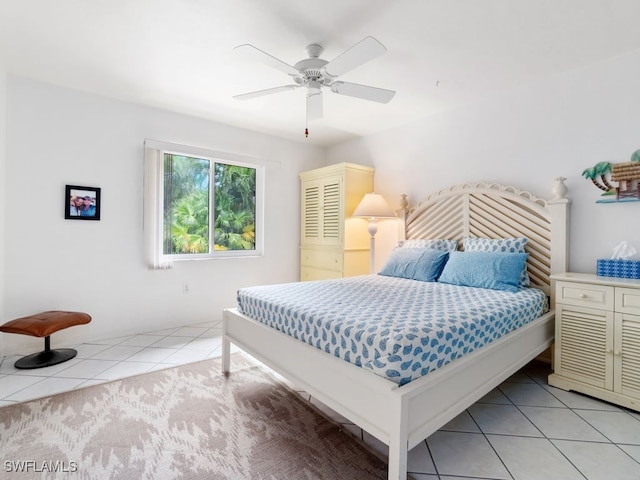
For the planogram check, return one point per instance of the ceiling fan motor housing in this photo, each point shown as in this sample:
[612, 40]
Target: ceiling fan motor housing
[311, 69]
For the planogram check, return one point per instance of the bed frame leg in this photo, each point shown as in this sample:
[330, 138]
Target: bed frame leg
[398, 441]
[226, 355]
[397, 461]
[226, 345]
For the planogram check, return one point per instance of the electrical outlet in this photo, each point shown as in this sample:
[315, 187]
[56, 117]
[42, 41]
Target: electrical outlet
[185, 288]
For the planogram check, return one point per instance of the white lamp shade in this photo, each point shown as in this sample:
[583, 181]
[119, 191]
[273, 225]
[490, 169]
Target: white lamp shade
[373, 205]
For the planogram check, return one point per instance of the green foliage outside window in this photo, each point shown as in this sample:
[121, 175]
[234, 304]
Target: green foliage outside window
[187, 188]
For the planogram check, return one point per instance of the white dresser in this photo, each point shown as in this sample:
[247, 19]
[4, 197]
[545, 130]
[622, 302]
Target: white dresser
[597, 339]
[333, 244]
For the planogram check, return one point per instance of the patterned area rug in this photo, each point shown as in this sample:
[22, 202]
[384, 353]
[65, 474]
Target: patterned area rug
[186, 422]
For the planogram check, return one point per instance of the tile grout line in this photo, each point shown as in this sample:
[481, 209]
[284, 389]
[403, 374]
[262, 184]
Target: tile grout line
[550, 440]
[573, 410]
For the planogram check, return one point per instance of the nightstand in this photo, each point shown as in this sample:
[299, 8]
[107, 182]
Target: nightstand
[597, 337]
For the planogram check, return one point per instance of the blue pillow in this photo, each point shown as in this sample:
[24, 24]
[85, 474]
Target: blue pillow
[498, 271]
[504, 245]
[424, 264]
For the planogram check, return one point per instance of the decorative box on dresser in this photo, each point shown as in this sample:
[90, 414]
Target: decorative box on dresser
[333, 245]
[597, 338]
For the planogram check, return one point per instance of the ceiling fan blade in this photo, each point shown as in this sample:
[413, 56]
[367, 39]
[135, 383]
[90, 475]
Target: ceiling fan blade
[252, 53]
[261, 93]
[314, 104]
[367, 49]
[365, 92]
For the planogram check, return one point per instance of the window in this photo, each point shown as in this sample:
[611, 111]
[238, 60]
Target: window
[201, 204]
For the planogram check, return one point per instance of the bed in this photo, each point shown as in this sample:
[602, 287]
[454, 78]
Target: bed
[402, 410]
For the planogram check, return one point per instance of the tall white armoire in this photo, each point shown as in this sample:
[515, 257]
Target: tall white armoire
[333, 244]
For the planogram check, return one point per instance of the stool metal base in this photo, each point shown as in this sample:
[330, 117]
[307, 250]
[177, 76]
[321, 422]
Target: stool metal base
[45, 358]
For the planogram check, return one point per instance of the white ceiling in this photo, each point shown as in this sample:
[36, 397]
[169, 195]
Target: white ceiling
[178, 54]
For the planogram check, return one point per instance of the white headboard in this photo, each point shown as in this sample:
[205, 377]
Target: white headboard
[491, 210]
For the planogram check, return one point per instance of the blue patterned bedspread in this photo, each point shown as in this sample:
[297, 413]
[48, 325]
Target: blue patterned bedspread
[400, 329]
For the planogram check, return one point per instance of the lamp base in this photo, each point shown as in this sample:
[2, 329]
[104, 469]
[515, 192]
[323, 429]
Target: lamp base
[373, 229]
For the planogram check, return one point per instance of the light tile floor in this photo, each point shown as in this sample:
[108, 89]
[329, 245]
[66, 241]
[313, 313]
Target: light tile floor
[110, 359]
[522, 430]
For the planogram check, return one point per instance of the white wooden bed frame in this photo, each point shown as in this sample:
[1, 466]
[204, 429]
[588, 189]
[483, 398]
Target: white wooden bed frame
[402, 417]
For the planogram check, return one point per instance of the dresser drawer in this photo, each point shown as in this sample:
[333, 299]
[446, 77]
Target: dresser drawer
[312, 273]
[585, 295]
[628, 300]
[322, 259]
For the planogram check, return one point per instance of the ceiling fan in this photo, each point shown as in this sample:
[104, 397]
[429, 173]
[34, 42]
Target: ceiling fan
[315, 73]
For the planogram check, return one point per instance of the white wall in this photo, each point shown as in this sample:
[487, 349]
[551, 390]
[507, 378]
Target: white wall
[525, 138]
[56, 136]
[3, 103]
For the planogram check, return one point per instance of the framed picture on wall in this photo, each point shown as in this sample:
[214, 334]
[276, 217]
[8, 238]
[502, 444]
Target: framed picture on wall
[81, 203]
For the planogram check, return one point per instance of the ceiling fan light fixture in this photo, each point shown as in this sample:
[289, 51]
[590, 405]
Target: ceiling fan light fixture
[313, 88]
[314, 101]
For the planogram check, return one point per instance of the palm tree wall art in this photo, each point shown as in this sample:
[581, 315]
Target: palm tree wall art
[626, 175]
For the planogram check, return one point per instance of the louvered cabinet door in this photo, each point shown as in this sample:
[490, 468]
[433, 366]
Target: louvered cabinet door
[627, 342]
[332, 211]
[584, 343]
[311, 212]
[627, 355]
[322, 212]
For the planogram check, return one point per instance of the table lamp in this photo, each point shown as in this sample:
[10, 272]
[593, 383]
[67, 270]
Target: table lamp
[373, 206]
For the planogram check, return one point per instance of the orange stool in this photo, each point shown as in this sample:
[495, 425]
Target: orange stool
[43, 325]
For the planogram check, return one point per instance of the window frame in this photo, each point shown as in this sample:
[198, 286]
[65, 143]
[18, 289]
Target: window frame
[154, 202]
